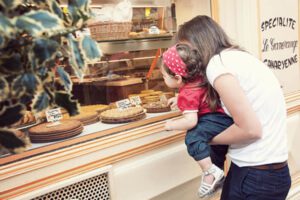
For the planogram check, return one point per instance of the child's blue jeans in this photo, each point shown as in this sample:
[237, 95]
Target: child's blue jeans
[197, 139]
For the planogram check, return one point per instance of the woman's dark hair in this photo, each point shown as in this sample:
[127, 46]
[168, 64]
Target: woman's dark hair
[205, 35]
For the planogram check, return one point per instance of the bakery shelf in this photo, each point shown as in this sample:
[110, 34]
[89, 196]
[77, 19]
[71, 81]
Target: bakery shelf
[136, 44]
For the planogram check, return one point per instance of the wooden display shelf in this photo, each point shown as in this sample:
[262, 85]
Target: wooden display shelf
[125, 82]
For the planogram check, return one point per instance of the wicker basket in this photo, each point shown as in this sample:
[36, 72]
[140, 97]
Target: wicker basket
[110, 30]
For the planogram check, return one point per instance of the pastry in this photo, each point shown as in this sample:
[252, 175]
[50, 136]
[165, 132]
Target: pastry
[47, 132]
[157, 107]
[119, 116]
[85, 117]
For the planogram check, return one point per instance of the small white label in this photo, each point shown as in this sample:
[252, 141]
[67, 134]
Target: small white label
[53, 115]
[123, 104]
[154, 30]
[135, 100]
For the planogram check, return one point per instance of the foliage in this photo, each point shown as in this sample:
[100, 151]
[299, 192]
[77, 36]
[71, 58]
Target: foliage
[36, 42]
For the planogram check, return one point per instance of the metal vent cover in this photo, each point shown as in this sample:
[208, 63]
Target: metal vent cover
[94, 188]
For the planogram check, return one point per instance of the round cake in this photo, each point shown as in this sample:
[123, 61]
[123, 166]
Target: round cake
[157, 107]
[85, 118]
[92, 108]
[122, 115]
[47, 132]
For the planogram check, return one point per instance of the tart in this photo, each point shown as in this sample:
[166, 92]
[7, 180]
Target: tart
[85, 118]
[157, 107]
[120, 116]
[47, 132]
[92, 108]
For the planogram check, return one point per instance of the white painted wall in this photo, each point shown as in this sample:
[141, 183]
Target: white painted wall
[239, 19]
[153, 173]
[186, 10]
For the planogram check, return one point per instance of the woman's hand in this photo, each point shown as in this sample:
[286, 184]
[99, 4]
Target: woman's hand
[172, 102]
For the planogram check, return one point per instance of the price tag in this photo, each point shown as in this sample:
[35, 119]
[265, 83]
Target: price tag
[53, 115]
[135, 100]
[154, 30]
[123, 104]
[163, 98]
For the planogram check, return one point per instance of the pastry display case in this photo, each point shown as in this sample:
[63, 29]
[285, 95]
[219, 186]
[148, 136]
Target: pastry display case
[102, 134]
[128, 70]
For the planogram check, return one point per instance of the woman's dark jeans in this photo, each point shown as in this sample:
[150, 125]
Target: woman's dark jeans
[247, 183]
[197, 139]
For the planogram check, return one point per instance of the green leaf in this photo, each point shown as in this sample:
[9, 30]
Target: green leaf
[25, 98]
[28, 25]
[2, 41]
[64, 79]
[11, 114]
[55, 8]
[10, 141]
[27, 82]
[63, 99]
[38, 22]
[79, 9]
[11, 64]
[81, 4]
[44, 50]
[10, 4]
[6, 26]
[40, 102]
[76, 60]
[42, 73]
[47, 19]
[90, 49]
[41, 2]
[4, 89]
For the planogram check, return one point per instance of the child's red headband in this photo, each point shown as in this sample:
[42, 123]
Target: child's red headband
[173, 61]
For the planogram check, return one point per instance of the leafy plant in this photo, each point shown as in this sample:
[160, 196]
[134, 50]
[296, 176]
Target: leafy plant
[36, 42]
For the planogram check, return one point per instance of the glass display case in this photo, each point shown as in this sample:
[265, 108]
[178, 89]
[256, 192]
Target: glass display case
[127, 70]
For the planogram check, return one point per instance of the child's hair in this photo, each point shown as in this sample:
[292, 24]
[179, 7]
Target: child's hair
[192, 61]
[194, 71]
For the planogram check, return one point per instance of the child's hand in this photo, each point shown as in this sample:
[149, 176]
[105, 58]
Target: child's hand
[168, 125]
[172, 102]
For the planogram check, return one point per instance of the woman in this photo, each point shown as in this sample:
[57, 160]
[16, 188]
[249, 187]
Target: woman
[251, 95]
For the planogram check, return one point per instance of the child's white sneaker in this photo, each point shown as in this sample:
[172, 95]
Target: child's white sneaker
[206, 189]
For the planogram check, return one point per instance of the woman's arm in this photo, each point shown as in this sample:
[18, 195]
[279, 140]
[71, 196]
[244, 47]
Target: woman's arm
[246, 127]
[188, 121]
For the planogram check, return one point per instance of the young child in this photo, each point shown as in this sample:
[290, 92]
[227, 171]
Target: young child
[203, 117]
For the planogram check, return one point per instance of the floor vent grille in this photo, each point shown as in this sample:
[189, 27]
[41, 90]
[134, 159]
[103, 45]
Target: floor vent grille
[94, 188]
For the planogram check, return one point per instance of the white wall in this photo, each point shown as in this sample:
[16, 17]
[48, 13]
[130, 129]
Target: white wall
[239, 19]
[186, 10]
